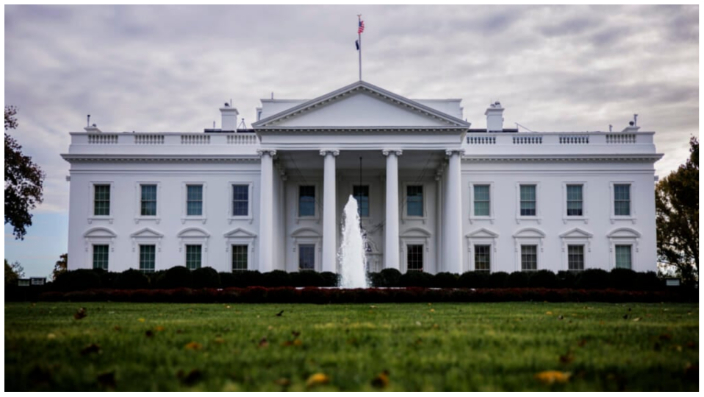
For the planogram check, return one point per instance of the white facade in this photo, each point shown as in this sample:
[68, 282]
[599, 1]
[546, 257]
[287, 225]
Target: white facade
[441, 196]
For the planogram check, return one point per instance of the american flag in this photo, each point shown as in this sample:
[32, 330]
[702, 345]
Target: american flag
[361, 27]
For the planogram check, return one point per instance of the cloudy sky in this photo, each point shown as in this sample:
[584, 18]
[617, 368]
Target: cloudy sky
[169, 68]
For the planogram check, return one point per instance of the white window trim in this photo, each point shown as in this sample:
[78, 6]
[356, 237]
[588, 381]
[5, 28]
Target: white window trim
[471, 242]
[138, 217]
[369, 185]
[202, 240]
[404, 201]
[585, 212]
[316, 217]
[519, 240]
[538, 207]
[612, 203]
[230, 217]
[184, 202]
[89, 241]
[473, 218]
[634, 249]
[632, 240]
[566, 239]
[203, 253]
[414, 241]
[155, 239]
[157, 249]
[244, 238]
[92, 217]
[314, 241]
[91, 248]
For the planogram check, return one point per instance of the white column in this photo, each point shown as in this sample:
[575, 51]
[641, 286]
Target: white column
[453, 213]
[329, 212]
[266, 211]
[391, 235]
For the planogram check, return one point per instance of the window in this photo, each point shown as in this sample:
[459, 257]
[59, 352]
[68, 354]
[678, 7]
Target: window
[306, 257]
[622, 200]
[148, 201]
[100, 257]
[623, 257]
[193, 257]
[482, 202]
[306, 201]
[414, 257]
[482, 258]
[194, 200]
[239, 257]
[529, 257]
[575, 257]
[528, 200]
[574, 200]
[101, 204]
[147, 258]
[240, 200]
[414, 200]
[361, 194]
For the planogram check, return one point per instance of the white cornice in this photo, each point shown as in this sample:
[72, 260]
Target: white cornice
[564, 158]
[363, 130]
[122, 158]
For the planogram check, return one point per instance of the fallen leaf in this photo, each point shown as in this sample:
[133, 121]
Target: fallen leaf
[295, 333]
[107, 380]
[193, 346]
[263, 342]
[51, 336]
[665, 336]
[582, 342]
[279, 314]
[636, 319]
[566, 358]
[548, 313]
[317, 379]
[92, 348]
[159, 328]
[219, 340]
[80, 313]
[382, 380]
[189, 378]
[432, 310]
[560, 317]
[283, 382]
[550, 377]
[297, 342]
[141, 320]
[149, 333]
[117, 328]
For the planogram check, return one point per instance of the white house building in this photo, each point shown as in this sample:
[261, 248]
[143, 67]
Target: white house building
[435, 195]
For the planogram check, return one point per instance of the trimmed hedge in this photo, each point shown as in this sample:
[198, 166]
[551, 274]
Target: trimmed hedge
[205, 277]
[131, 279]
[369, 295]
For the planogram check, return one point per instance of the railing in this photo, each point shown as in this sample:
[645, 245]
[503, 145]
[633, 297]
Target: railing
[148, 139]
[481, 140]
[199, 139]
[242, 139]
[620, 139]
[102, 139]
[527, 140]
[574, 140]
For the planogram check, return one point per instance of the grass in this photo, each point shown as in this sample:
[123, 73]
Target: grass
[246, 347]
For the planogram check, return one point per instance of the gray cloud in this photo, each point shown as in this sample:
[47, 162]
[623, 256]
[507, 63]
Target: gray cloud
[168, 68]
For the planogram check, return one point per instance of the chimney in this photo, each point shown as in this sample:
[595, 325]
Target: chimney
[494, 117]
[229, 117]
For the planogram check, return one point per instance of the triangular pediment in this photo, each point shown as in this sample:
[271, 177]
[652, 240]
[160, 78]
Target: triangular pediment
[482, 233]
[576, 233]
[360, 105]
[146, 233]
[239, 232]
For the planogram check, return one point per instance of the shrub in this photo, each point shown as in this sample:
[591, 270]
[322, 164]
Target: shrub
[277, 278]
[497, 280]
[566, 279]
[227, 280]
[205, 277]
[107, 279]
[648, 281]
[543, 279]
[390, 278]
[593, 279]
[131, 279]
[330, 279]
[416, 279]
[248, 279]
[155, 278]
[622, 279]
[176, 277]
[375, 279]
[445, 280]
[473, 280]
[77, 280]
[306, 278]
[517, 280]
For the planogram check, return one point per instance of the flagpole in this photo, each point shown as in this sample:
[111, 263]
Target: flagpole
[359, 17]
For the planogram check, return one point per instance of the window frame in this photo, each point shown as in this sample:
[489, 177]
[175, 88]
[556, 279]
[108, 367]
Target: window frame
[369, 197]
[537, 257]
[631, 253]
[232, 258]
[203, 217]
[538, 207]
[585, 211]
[139, 257]
[472, 217]
[240, 236]
[584, 257]
[91, 216]
[315, 255]
[316, 202]
[200, 264]
[231, 217]
[138, 202]
[527, 236]
[474, 256]
[423, 250]
[107, 253]
[403, 207]
[612, 201]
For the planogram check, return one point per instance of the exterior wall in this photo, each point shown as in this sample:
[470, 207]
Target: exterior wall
[550, 177]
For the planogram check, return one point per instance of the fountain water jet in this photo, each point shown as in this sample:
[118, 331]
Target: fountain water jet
[352, 255]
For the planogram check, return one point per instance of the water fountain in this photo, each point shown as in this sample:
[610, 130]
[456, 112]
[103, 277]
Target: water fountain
[352, 256]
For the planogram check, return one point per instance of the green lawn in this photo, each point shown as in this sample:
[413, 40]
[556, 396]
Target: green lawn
[464, 347]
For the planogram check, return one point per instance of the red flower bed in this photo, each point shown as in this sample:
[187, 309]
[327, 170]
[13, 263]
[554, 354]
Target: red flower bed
[370, 295]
